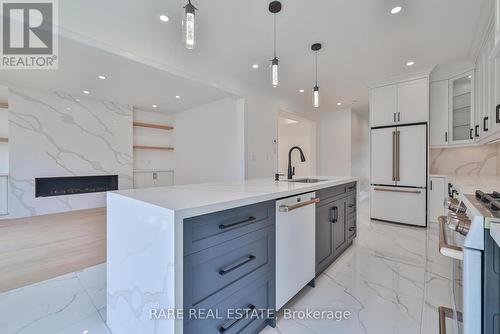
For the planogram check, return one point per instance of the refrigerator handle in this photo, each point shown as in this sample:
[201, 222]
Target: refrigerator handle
[398, 142]
[393, 155]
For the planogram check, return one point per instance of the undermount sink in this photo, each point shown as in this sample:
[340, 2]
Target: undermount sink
[306, 180]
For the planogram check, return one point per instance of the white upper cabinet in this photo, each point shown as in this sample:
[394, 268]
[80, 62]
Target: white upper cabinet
[383, 105]
[400, 103]
[497, 29]
[439, 113]
[461, 101]
[413, 101]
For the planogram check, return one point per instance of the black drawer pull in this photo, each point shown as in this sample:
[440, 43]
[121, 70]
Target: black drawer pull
[471, 131]
[352, 187]
[224, 226]
[224, 329]
[485, 124]
[351, 229]
[247, 259]
[476, 131]
[334, 214]
[352, 205]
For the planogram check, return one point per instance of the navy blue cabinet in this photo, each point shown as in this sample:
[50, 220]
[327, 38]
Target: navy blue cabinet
[335, 223]
[229, 270]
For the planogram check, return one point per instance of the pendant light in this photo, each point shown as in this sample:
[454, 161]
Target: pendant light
[316, 47]
[189, 25]
[274, 8]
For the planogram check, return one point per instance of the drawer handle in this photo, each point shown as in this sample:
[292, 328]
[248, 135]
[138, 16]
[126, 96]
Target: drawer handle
[445, 312]
[224, 226]
[334, 214]
[446, 249]
[224, 329]
[352, 205]
[247, 259]
[288, 208]
[352, 188]
[399, 191]
[351, 229]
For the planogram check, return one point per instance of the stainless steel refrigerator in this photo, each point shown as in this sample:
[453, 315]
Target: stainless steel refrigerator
[399, 174]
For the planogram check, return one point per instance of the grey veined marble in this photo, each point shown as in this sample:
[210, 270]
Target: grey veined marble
[54, 134]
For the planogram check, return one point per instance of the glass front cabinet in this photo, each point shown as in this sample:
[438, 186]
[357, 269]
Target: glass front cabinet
[462, 126]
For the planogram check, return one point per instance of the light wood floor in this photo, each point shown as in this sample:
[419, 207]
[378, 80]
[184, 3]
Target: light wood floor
[38, 248]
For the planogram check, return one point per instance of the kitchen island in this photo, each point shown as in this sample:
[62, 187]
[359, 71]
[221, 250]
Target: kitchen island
[180, 247]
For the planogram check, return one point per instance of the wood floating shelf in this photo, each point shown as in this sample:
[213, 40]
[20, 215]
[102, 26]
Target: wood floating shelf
[4, 105]
[161, 148]
[153, 126]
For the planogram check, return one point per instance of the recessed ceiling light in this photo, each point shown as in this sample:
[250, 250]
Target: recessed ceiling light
[77, 100]
[86, 92]
[339, 103]
[85, 332]
[301, 91]
[396, 9]
[154, 106]
[470, 77]
[177, 97]
[255, 66]
[164, 18]
[102, 77]
[410, 63]
[68, 108]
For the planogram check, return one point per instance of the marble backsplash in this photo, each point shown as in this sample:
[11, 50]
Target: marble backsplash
[473, 160]
[54, 134]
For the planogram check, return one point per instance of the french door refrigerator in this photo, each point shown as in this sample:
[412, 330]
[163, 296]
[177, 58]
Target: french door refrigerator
[399, 174]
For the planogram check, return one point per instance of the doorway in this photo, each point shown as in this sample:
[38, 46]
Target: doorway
[294, 130]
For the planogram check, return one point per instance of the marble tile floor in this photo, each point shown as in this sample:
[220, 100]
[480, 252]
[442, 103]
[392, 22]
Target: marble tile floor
[391, 281]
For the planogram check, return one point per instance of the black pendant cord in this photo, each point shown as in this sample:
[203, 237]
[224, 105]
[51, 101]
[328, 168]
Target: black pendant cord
[316, 68]
[274, 16]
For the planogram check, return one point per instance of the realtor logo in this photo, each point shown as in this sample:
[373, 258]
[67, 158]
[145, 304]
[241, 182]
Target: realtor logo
[29, 36]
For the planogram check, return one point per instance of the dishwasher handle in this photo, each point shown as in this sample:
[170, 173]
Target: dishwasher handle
[288, 208]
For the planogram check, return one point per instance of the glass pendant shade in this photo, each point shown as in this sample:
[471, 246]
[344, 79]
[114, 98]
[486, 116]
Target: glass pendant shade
[189, 30]
[316, 97]
[274, 72]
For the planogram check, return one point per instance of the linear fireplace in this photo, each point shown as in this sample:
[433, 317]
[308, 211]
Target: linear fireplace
[70, 185]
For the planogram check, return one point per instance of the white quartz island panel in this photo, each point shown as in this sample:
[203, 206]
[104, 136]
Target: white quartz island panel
[145, 243]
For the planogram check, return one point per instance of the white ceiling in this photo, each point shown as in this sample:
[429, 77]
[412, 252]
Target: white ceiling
[362, 42]
[127, 82]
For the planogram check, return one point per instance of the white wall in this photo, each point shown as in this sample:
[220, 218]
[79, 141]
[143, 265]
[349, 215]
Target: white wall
[210, 143]
[293, 131]
[51, 134]
[334, 143]
[360, 148]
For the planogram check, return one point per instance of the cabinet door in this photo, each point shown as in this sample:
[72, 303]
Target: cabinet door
[163, 179]
[412, 156]
[462, 120]
[437, 194]
[413, 101]
[383, 106]
[143, 180]
[439, 113]
[340, 229]
[324, 236]
[3, 195]
[382, 156]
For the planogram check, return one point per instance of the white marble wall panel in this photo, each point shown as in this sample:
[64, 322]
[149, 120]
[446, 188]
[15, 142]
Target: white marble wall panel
[54, 134]
[474, 160]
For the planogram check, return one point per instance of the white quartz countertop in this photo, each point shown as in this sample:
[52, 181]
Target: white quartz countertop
[196, 199]
[466, 184]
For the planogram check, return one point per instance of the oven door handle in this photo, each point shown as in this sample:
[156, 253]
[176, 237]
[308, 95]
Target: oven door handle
[446, 249]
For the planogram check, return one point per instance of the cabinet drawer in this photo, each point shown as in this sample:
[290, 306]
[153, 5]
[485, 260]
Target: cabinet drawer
[209, 271]
[399, 205]
[249, 302]
[212, 229]
[332, 192]
[351, 204]
[351, 226]
[351, 188]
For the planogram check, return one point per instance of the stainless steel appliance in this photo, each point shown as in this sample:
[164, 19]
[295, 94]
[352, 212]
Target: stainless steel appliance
[476, 270]
[399, 174]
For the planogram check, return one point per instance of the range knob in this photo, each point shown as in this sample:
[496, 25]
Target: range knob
[458, 222]
[455, 205]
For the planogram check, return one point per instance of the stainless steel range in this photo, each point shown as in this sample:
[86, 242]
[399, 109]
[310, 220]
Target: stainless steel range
[476, 270]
